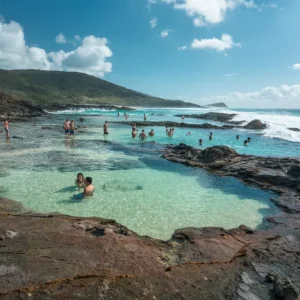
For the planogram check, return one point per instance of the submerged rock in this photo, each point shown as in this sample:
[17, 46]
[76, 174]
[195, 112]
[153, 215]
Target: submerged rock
[255, 124]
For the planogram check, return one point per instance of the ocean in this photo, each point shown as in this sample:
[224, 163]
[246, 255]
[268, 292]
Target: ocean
[133, 184]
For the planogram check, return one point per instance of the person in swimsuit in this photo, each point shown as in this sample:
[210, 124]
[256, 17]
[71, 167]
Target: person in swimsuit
[249, 140]
[145, 118]
[89, 188]
[105, 127]
[80, 180]
[237, 137]
[245, 142]
[151, 133]
[200, 142]
[210, 136]
[170, 132]
[189, 133]
[72, 128]
[67, 127]
[6, 127]
[143, 135]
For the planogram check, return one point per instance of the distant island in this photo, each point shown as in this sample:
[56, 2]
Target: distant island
[62, 89]
[219, 104]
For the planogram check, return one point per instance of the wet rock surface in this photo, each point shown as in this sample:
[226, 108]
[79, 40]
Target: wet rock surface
[255, 124]
[175, 124]
[53, 256]
[219, 117]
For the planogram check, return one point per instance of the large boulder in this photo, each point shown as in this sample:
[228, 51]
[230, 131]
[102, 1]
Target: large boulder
[214, 153]
[255, 124]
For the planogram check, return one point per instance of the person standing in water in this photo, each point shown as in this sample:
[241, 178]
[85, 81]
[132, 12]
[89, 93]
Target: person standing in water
[89, 188]
[72, 128]
[145, 118]
[143, 135]
[249, 140]
[210, 136]
[67, 127]
[200, 142]
[105, 127]
[170, 132]
[151, 133]
[6, 127]
[237, 137]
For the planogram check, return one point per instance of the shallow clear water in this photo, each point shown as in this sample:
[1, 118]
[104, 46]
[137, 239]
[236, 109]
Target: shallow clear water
[134, 185]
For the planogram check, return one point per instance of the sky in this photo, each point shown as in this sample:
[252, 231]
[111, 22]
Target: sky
[245, 53]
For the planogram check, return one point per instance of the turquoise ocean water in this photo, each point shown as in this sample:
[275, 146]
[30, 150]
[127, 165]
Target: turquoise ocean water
[134, 185]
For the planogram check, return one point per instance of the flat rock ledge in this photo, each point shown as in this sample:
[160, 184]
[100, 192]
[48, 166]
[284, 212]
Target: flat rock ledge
[174, 124]
[53, 256]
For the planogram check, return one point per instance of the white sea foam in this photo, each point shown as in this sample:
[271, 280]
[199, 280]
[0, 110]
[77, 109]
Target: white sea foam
[278, 123]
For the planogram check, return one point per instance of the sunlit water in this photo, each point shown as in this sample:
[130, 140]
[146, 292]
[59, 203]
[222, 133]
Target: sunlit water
[134, 185]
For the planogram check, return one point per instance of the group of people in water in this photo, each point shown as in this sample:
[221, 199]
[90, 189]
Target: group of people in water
[69, 127]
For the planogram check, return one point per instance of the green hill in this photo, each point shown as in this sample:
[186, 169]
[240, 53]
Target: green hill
[49, 88]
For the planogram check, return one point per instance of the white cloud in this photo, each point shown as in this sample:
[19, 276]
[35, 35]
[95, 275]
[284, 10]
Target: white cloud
[165, 33]
[296, 66]
[182, 48]
[153, 23]
[61, 39]
[207, 12]
[230, 74]
[225, 43]
[90, 57]
[281, 96]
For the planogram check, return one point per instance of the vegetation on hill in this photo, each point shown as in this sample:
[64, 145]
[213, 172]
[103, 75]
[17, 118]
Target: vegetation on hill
[47, 88]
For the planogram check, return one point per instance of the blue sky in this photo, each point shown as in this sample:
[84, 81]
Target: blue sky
[255, 64]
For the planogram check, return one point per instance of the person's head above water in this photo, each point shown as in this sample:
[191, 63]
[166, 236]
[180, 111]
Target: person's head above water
[237, 137]
[143, 130]
[80, 176]
[106, 122]
[245, 142]
[210, 133]
[89, 180]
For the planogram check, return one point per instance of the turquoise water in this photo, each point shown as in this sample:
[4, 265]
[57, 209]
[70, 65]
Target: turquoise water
[134, 185]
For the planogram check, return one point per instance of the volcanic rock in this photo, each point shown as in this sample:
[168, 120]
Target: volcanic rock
[255, 124]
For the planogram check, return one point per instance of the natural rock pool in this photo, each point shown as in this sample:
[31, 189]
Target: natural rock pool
[133, 184]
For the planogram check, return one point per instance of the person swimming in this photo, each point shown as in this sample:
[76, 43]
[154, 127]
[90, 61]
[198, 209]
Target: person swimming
[249, 139]
[151, 133]
[210, 136]
[237, 137]
[245, 142]
[80, 180]
[89, 188]
[189, 133]
[170, 133]
[143, 135]
[200, 142]
[145, 118]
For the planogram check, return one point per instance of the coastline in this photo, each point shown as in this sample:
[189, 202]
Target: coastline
[47, 256]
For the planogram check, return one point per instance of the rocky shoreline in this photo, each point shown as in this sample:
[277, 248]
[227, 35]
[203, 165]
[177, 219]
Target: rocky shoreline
[53, 256]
